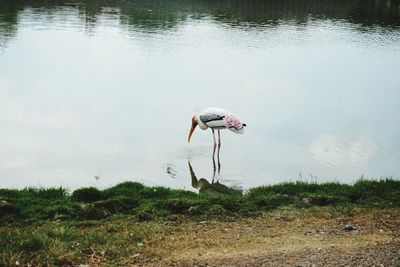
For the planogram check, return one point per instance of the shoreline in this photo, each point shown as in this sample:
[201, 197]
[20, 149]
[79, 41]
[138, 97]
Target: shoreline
[213, 200]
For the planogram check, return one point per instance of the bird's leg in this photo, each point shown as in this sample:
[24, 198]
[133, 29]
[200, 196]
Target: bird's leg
[215, 143]
[214, 169]
[213, 157]
[219, 148]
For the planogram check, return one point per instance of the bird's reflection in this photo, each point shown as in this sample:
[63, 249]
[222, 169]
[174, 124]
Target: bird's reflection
[213, 188]
[215, 167]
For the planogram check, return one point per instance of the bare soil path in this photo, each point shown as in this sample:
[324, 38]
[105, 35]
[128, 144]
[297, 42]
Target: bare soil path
[284, 238]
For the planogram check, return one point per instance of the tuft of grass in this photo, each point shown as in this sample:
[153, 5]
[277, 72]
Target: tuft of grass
[87, 194]
[64, 245]
[35, 203]
[33, 242]
[125, 189]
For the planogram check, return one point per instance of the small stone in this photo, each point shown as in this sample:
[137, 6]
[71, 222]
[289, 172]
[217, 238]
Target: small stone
[5, 203]
[193, 210]
[144, 216]
[308, 232]
[349, 227]
[306, 200]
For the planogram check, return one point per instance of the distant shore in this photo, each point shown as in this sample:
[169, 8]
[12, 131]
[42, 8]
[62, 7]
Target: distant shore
[132, 224]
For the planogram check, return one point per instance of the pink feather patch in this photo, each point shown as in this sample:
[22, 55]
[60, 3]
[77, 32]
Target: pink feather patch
[231, 121]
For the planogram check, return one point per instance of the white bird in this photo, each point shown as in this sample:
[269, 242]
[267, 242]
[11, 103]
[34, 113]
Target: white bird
[216, 119]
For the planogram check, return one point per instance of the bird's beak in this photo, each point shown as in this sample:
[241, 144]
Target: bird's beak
[194, 124]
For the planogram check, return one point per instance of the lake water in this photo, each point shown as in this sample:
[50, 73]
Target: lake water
[93, 94]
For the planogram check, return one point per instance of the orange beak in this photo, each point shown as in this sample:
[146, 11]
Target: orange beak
[194, 124]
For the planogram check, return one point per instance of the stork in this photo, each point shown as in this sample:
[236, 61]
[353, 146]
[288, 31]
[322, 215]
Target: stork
[216, 119]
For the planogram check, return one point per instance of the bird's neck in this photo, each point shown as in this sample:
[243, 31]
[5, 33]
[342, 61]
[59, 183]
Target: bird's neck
[202, 125]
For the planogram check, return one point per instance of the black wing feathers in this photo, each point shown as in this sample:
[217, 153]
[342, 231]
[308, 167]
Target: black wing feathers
[211, 117]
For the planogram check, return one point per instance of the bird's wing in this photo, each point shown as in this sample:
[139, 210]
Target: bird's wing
[209, 117]
[213, 120]
[214, 117]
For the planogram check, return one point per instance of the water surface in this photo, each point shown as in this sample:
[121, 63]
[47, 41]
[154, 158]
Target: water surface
[92, 94]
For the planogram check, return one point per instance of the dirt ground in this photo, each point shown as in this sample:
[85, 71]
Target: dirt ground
[284, 238]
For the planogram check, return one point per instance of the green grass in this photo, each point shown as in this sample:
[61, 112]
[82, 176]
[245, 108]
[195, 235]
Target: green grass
[68, 244]
[132, 198]
[57, 228]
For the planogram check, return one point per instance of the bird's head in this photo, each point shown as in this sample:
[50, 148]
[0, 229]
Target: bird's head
[194, 124]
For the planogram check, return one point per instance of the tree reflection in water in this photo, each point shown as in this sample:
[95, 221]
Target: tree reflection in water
[158, 16]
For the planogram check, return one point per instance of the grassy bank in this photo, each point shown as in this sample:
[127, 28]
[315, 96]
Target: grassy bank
[132, 224]
[147, 203]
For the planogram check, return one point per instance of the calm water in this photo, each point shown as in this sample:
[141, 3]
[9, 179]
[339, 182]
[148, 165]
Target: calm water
[95, 94]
